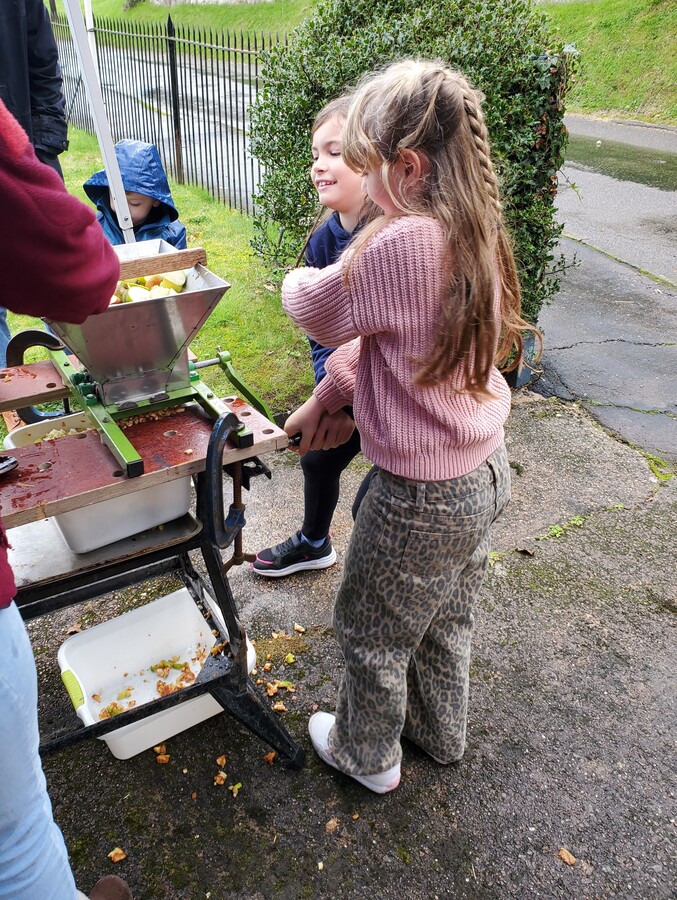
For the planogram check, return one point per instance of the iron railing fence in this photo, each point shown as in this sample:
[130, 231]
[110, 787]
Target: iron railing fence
[186, 90]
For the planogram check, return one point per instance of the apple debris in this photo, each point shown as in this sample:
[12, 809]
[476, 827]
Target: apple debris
[149, 287]
[113, 709]
[220, 778]
[117, 855]
[270, 757]
[160, 749]
[162, 759]
[221, 760]
[299, 629]
[235, 788]
[567, 857]
[290, 658]
[279, 706]
[332, 825]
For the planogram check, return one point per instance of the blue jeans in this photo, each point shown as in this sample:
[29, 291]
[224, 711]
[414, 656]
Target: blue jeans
[4, 337]
[33, 857]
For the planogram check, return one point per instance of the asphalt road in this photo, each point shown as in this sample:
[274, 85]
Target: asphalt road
[610, 336]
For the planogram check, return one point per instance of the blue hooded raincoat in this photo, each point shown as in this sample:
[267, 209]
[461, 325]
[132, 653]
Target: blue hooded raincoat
[142, 173]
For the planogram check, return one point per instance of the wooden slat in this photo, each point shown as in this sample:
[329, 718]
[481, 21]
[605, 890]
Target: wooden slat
[77, 470]
[30, 385]
[162, 262]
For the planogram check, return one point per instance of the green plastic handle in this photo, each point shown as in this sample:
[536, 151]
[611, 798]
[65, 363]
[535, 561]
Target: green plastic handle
[73, 687]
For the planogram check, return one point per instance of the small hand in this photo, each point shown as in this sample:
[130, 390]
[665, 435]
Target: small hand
[334, 429]
[304, 421]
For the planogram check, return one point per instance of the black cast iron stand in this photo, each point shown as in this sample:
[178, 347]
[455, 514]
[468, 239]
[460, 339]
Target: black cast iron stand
[224, 676]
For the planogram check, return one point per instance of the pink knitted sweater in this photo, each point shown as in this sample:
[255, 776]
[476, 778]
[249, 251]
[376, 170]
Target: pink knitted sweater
[391, 302]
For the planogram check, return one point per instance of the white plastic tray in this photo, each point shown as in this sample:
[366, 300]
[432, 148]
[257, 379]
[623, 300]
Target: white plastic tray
[101, 662]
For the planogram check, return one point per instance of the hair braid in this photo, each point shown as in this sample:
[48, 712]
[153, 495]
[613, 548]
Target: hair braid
[473, 111]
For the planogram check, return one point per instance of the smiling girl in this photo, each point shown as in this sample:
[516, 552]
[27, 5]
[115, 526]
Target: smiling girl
[337, 442]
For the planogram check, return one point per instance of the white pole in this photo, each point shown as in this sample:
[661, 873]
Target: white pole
[98, 110]
[89, 19]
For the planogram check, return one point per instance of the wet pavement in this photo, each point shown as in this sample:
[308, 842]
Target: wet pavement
[610, 336]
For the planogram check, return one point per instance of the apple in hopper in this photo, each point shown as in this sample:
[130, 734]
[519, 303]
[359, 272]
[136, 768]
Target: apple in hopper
[175, 280]
[150, 287]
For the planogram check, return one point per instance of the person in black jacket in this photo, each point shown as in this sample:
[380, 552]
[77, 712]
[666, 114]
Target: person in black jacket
[31, 88]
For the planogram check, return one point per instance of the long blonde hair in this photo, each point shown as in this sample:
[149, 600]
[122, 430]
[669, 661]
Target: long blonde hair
[425, 107]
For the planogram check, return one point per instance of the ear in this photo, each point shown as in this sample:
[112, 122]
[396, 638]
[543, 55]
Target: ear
[156, 202]
[415, 164]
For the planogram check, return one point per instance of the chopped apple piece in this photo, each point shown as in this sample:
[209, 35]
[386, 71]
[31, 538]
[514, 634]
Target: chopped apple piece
[175, 280]
[136, 292]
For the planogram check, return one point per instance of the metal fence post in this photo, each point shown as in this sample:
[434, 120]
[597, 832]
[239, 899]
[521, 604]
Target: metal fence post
[174, 87]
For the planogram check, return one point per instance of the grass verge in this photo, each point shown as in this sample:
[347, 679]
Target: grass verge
[627, 47]
[270, 17]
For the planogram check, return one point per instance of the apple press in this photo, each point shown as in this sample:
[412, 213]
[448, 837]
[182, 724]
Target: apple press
[132, 359]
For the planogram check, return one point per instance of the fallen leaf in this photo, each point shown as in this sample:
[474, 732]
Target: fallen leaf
[74, 629]
[567, 857]
[525, 551]
[221, 761]
[117, 855]
[332, 825]
[270, 757]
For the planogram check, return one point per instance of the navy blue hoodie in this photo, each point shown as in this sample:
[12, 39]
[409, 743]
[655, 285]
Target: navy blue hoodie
[142, 173]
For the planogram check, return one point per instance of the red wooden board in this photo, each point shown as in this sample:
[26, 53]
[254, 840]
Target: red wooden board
[59, 475]
[30, 385]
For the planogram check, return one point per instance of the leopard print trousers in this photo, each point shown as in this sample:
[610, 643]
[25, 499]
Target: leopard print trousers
[403, 616]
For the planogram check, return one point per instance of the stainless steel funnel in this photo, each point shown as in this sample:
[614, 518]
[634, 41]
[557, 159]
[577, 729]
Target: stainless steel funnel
[138, 351]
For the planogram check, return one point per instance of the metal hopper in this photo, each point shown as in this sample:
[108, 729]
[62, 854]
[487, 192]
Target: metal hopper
[137, 352]
[133, 358]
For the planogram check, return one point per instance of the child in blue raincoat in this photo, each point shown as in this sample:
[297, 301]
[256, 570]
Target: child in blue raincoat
[148, 196]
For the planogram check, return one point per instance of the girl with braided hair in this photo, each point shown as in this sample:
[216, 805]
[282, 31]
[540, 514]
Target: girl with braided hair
[431, 290]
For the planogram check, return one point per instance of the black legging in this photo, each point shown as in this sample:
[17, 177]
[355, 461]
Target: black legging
[321, 480]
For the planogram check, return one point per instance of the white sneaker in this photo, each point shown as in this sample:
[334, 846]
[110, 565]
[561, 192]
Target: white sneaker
[319, 726]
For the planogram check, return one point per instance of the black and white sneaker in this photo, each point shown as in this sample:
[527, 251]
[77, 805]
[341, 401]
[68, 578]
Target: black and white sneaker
[294, 555]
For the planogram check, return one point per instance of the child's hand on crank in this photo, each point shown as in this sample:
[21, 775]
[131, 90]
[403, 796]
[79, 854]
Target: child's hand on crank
[334, 429]
[304, 422]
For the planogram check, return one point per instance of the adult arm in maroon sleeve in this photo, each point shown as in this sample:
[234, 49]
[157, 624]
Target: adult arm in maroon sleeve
[55, 258]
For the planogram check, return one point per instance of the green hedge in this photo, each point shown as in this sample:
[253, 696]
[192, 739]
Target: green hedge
[503, 49]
